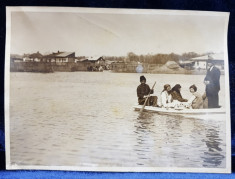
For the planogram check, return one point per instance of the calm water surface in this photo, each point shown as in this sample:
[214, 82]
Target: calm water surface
[87, 119]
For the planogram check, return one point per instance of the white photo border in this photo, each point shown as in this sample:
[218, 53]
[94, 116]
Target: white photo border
[9, 10]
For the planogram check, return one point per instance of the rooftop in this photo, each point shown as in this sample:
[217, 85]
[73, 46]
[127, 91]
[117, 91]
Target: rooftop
[93, 58]
[58, 54]
[64, 54]
[36, 55]
[216, 56]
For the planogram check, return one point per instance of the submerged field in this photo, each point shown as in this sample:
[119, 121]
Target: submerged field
[87, 119]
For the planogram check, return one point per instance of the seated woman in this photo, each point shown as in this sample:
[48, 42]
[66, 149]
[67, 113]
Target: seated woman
[196, 101]
[176, 95]
[166, 98]
[205, 101]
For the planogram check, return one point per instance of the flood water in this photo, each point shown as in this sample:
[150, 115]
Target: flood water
[87, 119]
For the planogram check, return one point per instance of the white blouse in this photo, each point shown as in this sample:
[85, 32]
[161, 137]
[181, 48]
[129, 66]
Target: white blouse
[165, 98]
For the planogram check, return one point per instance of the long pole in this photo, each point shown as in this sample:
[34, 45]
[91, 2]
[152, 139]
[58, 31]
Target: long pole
[142, 109]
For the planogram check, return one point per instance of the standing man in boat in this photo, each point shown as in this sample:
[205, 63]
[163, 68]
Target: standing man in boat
[143, 90]
[212, 82]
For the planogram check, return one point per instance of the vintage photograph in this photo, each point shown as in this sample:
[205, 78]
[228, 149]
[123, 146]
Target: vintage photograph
[126, 90]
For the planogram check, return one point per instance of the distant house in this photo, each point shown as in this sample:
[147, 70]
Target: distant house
[65, 57]
[201, 62]
[50, 57]
[187, 64]
[35, 57]
[109, 62]
[60, 57]
[97, 61]
[16, 58]
[79, 59]
[26, 58]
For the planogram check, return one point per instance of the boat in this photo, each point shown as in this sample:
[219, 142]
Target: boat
[180, 110]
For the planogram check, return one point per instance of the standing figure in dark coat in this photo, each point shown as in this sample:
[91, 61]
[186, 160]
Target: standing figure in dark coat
[212, 82]
[143, 91]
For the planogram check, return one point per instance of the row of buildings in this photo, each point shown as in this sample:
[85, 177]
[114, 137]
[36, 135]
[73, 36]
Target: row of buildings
[58, 61]
[58, 57]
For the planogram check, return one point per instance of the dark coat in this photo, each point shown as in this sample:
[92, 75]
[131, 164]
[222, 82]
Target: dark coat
[177, 96]
[142, 90]
[213, 77]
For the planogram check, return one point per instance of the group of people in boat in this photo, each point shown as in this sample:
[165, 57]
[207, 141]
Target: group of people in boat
[172, 98]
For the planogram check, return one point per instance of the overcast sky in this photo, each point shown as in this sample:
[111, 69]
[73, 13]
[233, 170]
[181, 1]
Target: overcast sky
[115, 34]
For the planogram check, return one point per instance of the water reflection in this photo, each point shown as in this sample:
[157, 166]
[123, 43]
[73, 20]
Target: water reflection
[178, 141]
[144, 140]
[213, 157]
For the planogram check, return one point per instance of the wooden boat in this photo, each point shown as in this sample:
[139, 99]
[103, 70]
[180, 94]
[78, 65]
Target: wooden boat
[181, 111]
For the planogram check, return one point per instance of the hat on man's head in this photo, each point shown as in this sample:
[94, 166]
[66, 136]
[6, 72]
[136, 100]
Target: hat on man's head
[211, 61]
[142, 78]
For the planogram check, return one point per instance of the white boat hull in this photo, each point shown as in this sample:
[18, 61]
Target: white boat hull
[182, 111]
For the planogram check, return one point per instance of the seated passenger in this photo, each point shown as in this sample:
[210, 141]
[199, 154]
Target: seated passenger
[196, 101]
[205, 101]
[166, 98]
[143, 91]
[176, 95]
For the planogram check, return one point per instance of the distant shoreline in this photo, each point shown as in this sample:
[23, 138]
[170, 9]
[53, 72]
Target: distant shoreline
[168, 73]
[188, 72]
[170, 67]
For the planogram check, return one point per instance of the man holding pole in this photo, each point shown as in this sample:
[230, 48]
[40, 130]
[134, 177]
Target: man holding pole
[143, 90]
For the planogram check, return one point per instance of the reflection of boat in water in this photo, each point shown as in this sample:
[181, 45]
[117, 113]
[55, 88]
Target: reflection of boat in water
[180, 111]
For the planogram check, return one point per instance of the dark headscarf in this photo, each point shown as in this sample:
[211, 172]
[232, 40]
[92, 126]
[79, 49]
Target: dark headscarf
[176, 88]
[142, 78]
[165, 87]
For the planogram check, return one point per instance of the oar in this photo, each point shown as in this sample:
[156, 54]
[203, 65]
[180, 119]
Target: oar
[142, 109]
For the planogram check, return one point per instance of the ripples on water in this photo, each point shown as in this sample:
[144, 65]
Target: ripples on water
[179, 141]
[87, 119]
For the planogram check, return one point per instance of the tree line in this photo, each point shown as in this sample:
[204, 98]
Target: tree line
[153, 58]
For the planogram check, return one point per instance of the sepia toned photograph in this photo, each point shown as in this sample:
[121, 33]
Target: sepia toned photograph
[121, 90]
